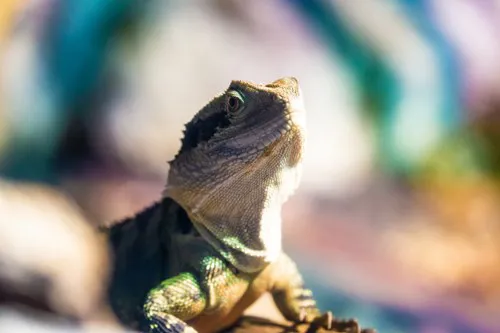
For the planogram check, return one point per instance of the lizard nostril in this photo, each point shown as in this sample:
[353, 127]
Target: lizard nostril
[289, 83]
[285, 81]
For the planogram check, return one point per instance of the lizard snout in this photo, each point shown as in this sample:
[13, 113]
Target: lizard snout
[290, 84]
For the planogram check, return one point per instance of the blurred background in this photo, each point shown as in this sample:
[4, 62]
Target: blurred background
[397, 220]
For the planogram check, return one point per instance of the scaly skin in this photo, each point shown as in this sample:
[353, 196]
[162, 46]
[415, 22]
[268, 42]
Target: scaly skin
[198, 258]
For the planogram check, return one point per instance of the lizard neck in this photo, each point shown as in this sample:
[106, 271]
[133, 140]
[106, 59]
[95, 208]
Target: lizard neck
[240, 212]
[249, 246]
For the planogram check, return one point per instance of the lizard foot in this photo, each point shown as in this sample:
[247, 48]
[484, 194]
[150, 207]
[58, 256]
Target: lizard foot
[169, 324]
[328, 322]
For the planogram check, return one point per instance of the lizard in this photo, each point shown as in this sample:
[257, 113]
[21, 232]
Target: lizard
[211, 246]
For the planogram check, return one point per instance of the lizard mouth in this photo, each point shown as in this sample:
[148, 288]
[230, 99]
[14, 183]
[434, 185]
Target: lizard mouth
[297, 111]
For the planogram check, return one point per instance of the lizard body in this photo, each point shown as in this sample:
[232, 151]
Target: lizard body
[195, 260]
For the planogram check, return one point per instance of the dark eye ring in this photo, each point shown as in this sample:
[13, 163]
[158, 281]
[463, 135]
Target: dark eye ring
[234, 101]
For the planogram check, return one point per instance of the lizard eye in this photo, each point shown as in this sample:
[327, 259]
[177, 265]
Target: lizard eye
[234, 101]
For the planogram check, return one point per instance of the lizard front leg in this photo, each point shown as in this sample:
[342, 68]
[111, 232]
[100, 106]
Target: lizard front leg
[210, 290]
[296, 302]
[175, 300]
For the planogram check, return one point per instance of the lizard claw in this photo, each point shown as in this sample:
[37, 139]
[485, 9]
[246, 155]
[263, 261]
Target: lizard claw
[325, 320]
[328, 322]
[302, 316]
[346, 325]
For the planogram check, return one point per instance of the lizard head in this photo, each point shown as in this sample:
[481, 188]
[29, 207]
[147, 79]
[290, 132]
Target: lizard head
[244, 121]
[243, 129]
[240, 157]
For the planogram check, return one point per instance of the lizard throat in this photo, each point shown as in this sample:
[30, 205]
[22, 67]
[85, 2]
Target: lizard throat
[247, 233]
[248, 251]
[240, 212]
